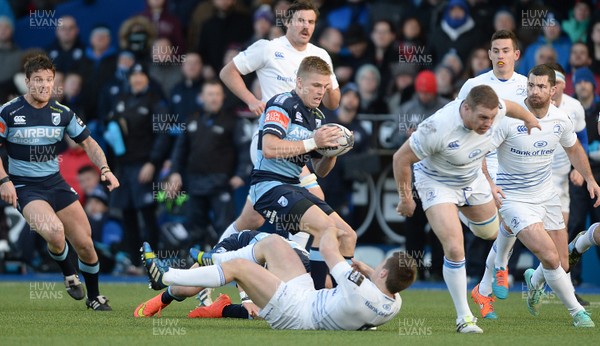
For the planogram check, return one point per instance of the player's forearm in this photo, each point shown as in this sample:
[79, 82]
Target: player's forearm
[323, 166]
[234, 81]
[275, 148]
[580, 162]
[516, 111]
[329, 247]
[403, 174]
[332, 98]
[94, 152]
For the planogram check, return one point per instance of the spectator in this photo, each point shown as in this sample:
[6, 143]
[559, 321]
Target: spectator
[422, 104]
[478, 63]
[401, 88]
[411, 39]
[88, 179]
[136, 35]
[593, 43]
[166, 64]
[97, 66]
[337, 185]
[579, 19]
[117, 84]
[551, 35]
[368, 80]
[138, 119]
[67, 50]
[209, 161]
[382, 50]
[165, 24]
[445, 78]
[504, 20]
[354, 53]
[10, 54]
[457, 30]
[579, 57]
[331, 40]
[452, 60]
[184, 95]
[228, 25]
[545, 54]
[353, 12]
[72, 92]
[16, 86]
[263, 21]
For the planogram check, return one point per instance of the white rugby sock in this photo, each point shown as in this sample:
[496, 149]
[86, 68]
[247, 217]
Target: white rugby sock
[247, 252]
[559, 282]
[300, 238]
[231, 229]
[587, 240]
[537, 279]
[504, 245]
[210, 276]
[455, 276]
[485, 285]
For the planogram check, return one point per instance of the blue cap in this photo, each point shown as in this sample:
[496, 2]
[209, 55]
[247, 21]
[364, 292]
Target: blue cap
[584, 74]
[350, 87]
[99, 193]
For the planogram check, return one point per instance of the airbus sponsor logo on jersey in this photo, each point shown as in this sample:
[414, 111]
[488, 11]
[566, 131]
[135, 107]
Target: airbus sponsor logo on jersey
[454, 145]
[33, 135]
[279, 55]
[540, 144]
[55, 118]
[474, 153]
[20, 120]
[299, 133]
[521, 129]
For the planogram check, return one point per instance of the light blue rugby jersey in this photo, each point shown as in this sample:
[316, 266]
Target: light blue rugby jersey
[32, 136]
[286, 117]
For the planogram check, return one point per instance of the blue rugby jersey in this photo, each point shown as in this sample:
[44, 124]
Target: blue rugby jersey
[32, 135]
[286, 117]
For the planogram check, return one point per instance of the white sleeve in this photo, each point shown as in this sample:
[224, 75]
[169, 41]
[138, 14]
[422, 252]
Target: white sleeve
[253, 58]
[501, 109]
[334, 81]
[568, 137]
[578, 118]
[424, 142]
[501, 132]
[351, 282]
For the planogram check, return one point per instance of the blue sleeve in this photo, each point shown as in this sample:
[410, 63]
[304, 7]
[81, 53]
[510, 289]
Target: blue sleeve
[77, 129]
[583, 138]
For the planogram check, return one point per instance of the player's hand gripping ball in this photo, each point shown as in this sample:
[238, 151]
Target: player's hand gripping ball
[346, 142]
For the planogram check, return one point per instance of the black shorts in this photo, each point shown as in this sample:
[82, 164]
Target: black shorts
[284, 206]
[53, 189]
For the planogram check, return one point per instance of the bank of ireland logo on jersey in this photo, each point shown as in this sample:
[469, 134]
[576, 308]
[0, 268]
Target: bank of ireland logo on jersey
[55, 118]
[282, 201]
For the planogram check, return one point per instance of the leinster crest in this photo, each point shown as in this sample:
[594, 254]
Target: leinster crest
[55, 118]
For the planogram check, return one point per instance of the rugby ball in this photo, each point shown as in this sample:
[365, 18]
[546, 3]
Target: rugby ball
[346, 142]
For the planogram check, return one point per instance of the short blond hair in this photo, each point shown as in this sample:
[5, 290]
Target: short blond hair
[313, 64]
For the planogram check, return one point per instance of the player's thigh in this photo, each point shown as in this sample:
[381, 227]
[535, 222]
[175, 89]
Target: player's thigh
[257, 282]
[481, 212]
[538, 241]
[249, 218]
[41, 218]
[77, 226]
[443, 219]
[314, 221]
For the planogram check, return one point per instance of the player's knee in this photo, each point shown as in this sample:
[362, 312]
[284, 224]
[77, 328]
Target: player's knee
[454, 252]
[85, 249]
[53, 231]
[348, 236]
[487, 229]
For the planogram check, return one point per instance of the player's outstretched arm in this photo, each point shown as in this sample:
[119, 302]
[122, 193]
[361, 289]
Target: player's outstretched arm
[7, 189]
[97, 156]
[232, 78]
[330, 247]
[403, 160]
[580, 162]
[514, 110]
[276, 148]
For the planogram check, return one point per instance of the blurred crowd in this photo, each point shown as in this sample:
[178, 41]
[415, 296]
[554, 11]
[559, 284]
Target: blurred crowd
[178, 140]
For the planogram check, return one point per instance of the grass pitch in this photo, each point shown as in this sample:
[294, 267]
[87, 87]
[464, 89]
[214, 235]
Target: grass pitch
[42, 312]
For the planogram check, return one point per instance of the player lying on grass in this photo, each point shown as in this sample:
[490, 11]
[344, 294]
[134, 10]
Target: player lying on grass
[222, 307]
[364, 298]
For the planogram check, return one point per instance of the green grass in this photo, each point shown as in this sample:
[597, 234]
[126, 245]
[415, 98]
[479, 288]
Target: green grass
[427, 318]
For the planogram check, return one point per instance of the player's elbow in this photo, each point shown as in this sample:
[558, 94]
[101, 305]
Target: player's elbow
[226, 73]
[269, 152]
